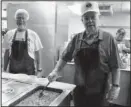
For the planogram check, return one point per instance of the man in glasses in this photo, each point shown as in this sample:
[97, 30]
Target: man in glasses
[123, 46]
[22, 47]
[120, 34]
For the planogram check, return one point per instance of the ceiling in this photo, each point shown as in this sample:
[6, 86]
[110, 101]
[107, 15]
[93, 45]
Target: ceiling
[116, 5]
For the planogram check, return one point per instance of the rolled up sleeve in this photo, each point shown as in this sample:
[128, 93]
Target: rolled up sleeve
[38, 44]
[114, 58]
[68, 52]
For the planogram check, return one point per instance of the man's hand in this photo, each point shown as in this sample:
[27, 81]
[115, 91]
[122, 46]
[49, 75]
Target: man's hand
[113, 94]
[56, 72]
[53, 75]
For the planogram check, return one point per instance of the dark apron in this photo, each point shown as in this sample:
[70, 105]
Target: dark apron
[20, 61]
[88, 59]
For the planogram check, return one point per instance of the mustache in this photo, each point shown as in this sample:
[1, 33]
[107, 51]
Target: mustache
[90, 25]
[20, 23]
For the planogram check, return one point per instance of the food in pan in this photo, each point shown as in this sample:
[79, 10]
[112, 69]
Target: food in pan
[34, 100]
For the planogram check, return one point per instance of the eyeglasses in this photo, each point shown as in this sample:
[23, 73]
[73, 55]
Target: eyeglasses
[122, 33]
[89, 18]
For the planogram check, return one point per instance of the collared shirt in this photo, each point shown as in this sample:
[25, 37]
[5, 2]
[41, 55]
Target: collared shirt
[109, 56]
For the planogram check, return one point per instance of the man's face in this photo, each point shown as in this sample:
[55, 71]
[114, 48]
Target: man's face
[21, 21]
[90, 21]
[120, 36]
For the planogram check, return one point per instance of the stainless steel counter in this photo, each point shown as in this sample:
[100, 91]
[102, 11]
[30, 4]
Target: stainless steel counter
[11, 90]
[22, 85]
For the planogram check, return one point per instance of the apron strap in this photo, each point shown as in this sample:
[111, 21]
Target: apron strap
[26, 35]
[80, 40]
[26, 39]
[14, 36]
[83, 40]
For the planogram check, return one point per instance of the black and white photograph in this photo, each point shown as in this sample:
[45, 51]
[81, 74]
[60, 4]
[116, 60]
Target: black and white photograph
[65, 53]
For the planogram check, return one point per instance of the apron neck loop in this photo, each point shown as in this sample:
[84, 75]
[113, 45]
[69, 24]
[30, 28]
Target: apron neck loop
[82, 38]
[14, 35]
[26, 37]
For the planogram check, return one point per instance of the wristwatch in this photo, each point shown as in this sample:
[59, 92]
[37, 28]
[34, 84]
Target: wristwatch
[39, 70]
[116, 85]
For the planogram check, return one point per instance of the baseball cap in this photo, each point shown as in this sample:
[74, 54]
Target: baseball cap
[90, 6]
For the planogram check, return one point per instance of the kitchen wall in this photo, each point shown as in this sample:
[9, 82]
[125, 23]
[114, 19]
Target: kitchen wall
[62, 23]
[110, 23]
[118, 20]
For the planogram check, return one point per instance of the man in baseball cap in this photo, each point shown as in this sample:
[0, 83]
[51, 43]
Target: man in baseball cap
[90, 7]
[90, 16]
[95, 56]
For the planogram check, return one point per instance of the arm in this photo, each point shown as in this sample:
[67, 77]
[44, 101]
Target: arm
[126, 50]
[60, 65]
[38, 50]
[116, 76]
[66, 56]
[6, 59]
[38, 61]
[6, 45]
[113, 93]
[126, 47]
[114, 62]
